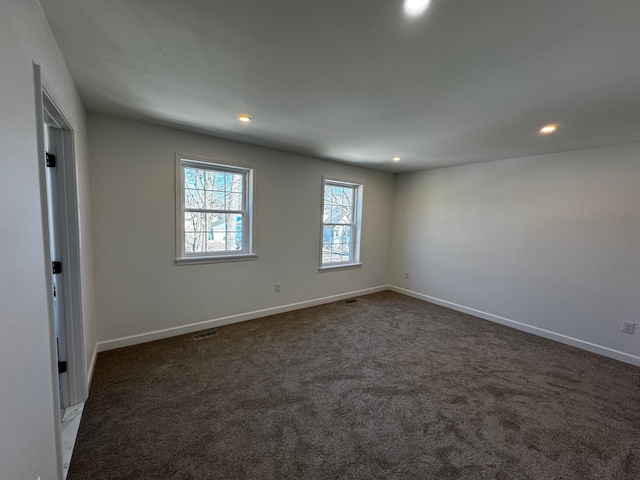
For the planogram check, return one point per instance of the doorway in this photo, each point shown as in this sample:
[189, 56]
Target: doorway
[53, 142]
[62, 244]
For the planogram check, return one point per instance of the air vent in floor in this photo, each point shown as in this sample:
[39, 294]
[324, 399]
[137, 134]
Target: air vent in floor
[200, 336]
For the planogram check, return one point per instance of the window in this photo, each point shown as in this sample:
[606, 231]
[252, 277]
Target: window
[213, 212]
[341, 216]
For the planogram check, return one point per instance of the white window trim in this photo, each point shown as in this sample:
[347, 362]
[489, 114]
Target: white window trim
[356, 263]
[183, 258]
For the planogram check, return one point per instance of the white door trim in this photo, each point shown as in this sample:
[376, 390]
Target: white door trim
[46, 99]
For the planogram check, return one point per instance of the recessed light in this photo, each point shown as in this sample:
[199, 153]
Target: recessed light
[396, 158]
[244, 118]
[413, 8]
[548, 129]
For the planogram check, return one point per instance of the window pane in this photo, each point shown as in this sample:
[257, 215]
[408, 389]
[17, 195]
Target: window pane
[205, 232]
[209, 178]
[326, 214]
[215, 232]
[219, 200]
[346, 252]
[326, 236]
[195, 178]
[344, 234]
[193, 198]
[335, 216]
[236, 183]
[189, 177]
[345, 214]
[233, 232]
[218, 181]
[234, 201]
[214, 244]
[347, 197]
[195, 242]
[216, 220]
[239, 240]
[338, 204]
[228, 177]
[336, 243]
[189, 242]
[194, 222]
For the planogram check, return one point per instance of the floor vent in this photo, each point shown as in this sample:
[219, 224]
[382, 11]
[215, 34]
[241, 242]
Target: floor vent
[351, 300]
[200, 336]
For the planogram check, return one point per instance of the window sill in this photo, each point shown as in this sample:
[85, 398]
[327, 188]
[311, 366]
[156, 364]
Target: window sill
[219, 259]
[344, 266]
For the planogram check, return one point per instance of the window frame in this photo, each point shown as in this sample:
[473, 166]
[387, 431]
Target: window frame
[356, 225]
[248, 172]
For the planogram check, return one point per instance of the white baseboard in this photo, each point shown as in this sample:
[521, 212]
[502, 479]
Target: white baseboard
[218, 322]
[90, 370]
[541, 332]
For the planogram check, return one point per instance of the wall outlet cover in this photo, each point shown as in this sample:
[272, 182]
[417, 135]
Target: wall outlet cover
[628, 327]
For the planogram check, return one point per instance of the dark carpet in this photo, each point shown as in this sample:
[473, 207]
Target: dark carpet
[388, 387]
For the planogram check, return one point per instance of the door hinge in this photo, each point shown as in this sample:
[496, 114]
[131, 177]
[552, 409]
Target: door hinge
[51, 160]
[56, 268]
[62, 367]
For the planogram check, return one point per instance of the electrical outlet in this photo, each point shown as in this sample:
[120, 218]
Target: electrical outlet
[406, 275]
[277, 288]
[628, 327]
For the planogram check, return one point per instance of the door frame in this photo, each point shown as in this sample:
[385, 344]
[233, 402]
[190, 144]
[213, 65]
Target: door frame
[46, 100]
[54, 144]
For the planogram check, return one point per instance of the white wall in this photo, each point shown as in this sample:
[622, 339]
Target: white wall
[140, 290]
[28, 398]
[549, 241]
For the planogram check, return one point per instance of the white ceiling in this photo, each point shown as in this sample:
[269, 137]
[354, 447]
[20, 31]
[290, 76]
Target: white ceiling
[359, 81]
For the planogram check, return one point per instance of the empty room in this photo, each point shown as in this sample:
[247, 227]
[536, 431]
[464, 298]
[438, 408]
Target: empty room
[280, 239]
